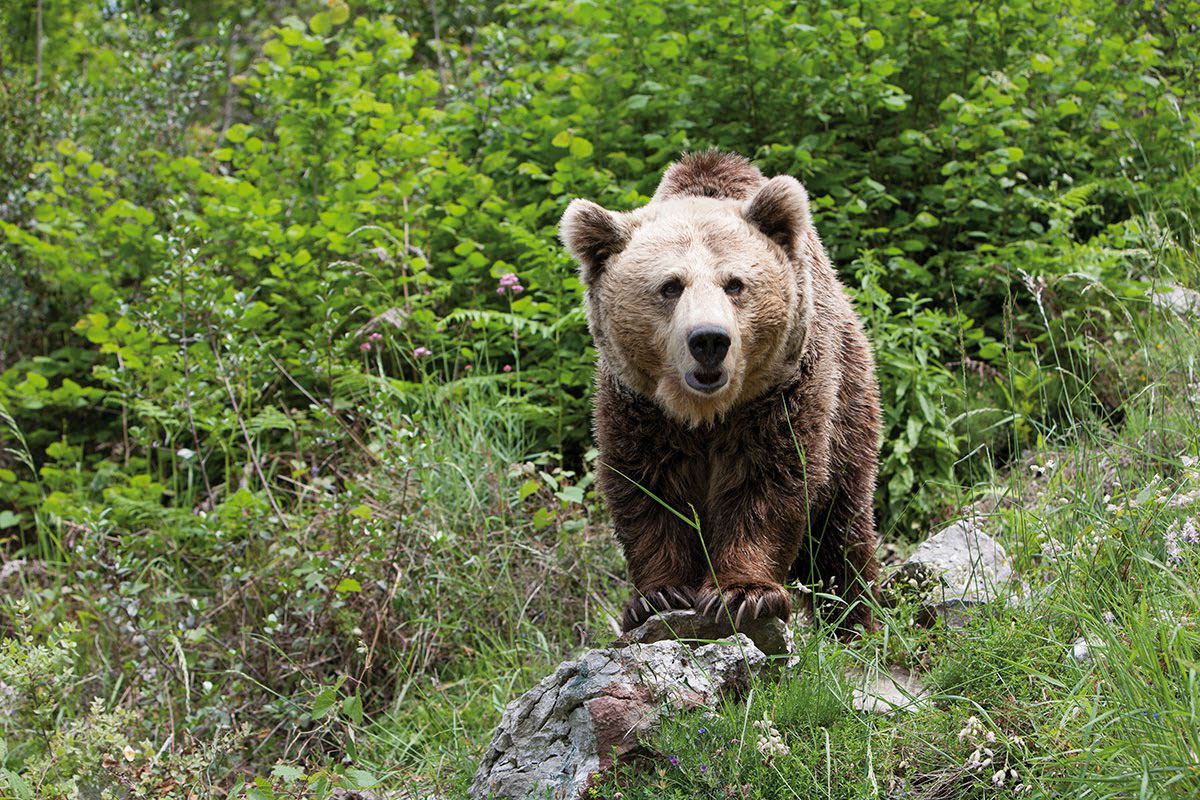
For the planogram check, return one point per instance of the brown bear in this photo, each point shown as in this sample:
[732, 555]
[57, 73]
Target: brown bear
[735, 386]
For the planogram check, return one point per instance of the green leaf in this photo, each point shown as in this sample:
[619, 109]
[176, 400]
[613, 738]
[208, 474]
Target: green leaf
[1041, 63]
[990, 351]
[8, 519]
[541, 518]
[1067, 106]
[366, 181]
[277, 51]
[562, 139]
[348, 585]
[581, 148]
[527, 488]
[873, 39]
[358, 779]
[238, 132]
[324, 702]
[321, 23]
[339, 13]
[572, 494]
[352, 707]
[287, 774]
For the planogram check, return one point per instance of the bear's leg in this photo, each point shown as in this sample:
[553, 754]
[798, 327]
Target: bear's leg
[664, 560]
[841, 558]
[754, 543]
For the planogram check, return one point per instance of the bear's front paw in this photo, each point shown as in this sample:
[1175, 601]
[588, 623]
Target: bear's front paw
[745, 601]
[644, 606]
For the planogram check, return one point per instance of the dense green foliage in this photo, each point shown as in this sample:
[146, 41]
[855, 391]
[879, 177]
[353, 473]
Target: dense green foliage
[274, 427]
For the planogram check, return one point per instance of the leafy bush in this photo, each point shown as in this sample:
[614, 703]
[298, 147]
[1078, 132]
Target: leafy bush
[369, 194]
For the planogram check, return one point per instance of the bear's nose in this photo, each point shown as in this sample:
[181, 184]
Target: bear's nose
[708, 344]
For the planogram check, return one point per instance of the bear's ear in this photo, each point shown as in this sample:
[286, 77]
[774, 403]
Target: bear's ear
[593, 235]
[780, 210]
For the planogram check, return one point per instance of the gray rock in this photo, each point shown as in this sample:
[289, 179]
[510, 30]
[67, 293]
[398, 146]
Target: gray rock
[556, 738]
[1179, 299]
[1082, 649]
[769, 634]
[961, 568]
[877, 692]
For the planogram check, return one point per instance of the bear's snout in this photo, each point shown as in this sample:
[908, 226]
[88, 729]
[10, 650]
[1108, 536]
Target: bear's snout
[708, 344]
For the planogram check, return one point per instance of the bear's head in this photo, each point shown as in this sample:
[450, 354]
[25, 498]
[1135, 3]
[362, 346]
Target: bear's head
[700, 299]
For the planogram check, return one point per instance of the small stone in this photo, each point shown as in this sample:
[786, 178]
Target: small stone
[1082, 649]
[897, 689]
[1179, 299]
[968, 567]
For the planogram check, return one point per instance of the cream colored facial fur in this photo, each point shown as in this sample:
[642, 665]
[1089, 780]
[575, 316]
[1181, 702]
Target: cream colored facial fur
[706, 245]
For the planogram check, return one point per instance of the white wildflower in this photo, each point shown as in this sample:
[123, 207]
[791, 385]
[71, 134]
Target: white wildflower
[129, 753]
[1171, 539]
[770, 742]
[998, 778]
[973, 729]
[982, 757]
[1053, 549]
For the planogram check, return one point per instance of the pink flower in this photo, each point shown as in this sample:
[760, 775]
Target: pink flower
[510, 283]
[375, 337]
[421, 352]
[365, 346]
[508, 367]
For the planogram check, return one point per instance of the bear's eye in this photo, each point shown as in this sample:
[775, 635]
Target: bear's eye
[734, 287]
[671, 289]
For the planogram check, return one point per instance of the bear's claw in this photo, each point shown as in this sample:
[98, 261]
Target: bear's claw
[745, 602]
[641, 608]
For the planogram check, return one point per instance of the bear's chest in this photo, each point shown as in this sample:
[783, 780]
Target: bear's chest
[713, 464]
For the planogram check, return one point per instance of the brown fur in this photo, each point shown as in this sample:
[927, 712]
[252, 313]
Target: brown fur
[779, 465]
